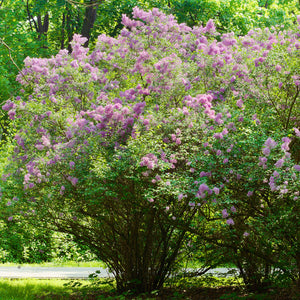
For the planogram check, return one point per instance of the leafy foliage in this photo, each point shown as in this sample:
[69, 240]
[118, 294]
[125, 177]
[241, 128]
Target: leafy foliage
[163, 133]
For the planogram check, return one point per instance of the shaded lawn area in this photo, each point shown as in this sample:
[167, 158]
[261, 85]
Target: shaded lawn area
[194, 289]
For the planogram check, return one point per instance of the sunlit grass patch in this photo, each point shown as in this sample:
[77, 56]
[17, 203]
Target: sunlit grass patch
[33, 289]
[27, 289]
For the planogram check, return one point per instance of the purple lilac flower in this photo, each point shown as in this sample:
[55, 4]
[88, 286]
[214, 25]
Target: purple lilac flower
[12, 114]
[74, 64]
[139, 107]
[210, 26]
[286, 142]
[178, 141]
[272, 184]
[73, 180]
[230, 221]
[270, 143]
[224, 213]
[279, 163]
[46, 142]
[9, 105]
[233, 209]
[216, 190]
[180, 196]
[239, 103]
[150, 160]
[268, 146]
[202, 188]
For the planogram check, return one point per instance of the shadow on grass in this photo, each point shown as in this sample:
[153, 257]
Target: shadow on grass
[57, 289]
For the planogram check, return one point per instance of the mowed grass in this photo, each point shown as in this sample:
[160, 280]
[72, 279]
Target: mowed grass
[187, 288]
[55, 289]
[60, 289]
[29, 289]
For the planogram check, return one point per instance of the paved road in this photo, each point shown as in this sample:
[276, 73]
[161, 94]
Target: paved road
[63, 272]
[50, 272]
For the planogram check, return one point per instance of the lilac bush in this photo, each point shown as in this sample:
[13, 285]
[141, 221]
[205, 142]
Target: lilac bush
[161, 132]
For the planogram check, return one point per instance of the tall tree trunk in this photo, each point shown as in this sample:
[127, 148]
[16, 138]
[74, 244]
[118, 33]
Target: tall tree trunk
[62, 38]
[89, 20]
[42, 27]
[69, 26]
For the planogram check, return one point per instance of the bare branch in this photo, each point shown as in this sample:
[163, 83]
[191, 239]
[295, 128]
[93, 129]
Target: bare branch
[30, 18]
[12, 60]
[291, 108]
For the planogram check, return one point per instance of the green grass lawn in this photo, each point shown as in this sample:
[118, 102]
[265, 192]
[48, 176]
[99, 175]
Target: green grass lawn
[33, 289]
[58, 289]
[28, 289]
[201, 288]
